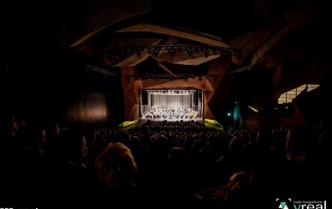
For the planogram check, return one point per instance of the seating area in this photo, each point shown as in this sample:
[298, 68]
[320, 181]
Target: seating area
[160, 164]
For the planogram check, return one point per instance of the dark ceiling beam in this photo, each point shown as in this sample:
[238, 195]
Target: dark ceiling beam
[109, 28]
[294, 19]
[145, 27]
[167, 70]
[253, 42]
[177, 83]
[261, 42]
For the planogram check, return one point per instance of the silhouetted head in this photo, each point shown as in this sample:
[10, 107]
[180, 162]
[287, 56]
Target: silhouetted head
[116, 165]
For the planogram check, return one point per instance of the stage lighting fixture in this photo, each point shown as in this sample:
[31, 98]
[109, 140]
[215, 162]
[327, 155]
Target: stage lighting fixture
[206, 52]
[179, 49]
[149, 50]
[215, 51]
[189, 51]
[172, 51]
[138, 52]
[196, 50]
[156, 51]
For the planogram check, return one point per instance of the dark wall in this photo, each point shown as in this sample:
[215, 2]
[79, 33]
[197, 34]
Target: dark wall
[42, 89]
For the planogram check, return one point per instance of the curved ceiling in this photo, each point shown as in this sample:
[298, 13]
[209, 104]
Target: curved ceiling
[258, 27]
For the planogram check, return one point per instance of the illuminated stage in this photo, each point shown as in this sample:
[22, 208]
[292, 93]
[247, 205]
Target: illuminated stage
[171, 105]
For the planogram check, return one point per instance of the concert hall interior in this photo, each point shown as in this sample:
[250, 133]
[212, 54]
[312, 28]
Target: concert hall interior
[164, 103]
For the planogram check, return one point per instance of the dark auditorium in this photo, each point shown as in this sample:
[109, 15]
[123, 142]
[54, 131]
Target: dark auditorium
[197, 104]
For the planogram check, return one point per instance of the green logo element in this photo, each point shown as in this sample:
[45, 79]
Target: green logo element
[283, 204]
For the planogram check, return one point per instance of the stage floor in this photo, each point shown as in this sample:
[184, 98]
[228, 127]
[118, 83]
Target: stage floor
[171, 120]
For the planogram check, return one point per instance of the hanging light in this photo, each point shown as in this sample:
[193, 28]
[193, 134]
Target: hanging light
[206, 52]
[138, 52]
[172, 51]
[156, 51]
